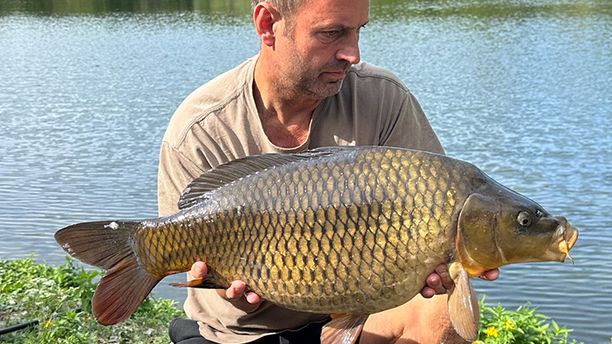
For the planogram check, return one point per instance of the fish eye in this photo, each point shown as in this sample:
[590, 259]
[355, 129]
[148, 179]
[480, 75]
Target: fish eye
[524, 219]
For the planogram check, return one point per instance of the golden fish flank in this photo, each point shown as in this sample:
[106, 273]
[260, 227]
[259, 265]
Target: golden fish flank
[334, 230]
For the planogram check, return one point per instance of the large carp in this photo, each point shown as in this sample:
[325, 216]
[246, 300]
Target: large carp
[349, 231]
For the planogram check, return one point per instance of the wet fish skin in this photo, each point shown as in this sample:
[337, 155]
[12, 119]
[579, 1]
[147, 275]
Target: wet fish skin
[354, 232]
[337, 230]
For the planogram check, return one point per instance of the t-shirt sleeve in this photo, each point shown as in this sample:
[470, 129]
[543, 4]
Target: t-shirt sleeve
[411, 129]
[175, 172]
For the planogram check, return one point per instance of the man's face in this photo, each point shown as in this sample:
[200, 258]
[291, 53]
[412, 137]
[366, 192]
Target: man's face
[318, 44]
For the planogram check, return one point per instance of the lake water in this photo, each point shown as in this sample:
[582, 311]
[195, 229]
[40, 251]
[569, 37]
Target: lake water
[523, 89]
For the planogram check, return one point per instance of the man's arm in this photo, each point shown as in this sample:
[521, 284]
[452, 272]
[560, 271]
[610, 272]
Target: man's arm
[175, 172]
[411, 128]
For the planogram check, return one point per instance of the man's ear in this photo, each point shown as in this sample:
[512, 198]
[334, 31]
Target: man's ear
[264, 17]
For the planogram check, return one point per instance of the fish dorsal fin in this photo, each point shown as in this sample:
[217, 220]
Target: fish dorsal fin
[240, 168]
[343, 329]
[463, 304]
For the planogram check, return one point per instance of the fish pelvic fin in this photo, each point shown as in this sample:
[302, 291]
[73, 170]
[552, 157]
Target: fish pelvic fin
[212, 280]
[463, 304]
[107, 245]
[343, 329]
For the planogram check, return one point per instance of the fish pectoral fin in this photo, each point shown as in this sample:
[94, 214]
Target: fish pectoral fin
[211, 281]
[343, 329]
[194, 283]
[463, 304]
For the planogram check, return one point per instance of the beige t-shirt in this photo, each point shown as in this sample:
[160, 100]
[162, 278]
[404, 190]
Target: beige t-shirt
[219, 122]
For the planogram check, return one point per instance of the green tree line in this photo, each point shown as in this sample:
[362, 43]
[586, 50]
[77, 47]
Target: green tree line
[380, 8]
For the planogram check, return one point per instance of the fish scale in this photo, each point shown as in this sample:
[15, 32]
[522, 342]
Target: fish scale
[300, 251]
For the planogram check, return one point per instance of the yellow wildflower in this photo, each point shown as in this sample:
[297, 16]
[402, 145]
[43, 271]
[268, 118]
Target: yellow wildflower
[509, 324]
[48, 323]
[491, 332]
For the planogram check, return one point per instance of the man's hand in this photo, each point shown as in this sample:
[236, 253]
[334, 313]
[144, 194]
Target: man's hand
[439, 281]
[234, 292]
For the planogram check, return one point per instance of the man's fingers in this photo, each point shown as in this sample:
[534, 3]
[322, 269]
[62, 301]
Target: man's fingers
[428, 293]
[490, 275]
[238, 289]
[438, 282]
[442, 271]
[434, 281]
[198, 270]
[235, 290]
[252, 298]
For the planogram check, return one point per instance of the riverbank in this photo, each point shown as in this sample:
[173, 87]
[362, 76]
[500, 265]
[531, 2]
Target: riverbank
[54, 303]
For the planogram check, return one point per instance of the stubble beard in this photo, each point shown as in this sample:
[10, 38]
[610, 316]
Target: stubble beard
[306, 81]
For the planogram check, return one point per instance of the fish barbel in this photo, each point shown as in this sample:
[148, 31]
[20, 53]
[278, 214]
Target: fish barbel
[343, 230]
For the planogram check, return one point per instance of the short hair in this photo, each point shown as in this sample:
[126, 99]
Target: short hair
[285, 7]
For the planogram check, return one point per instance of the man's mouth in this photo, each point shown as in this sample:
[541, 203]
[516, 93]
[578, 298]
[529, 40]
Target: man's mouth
[337, 75]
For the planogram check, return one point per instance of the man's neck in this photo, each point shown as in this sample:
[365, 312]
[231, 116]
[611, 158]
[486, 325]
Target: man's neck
[285, 115]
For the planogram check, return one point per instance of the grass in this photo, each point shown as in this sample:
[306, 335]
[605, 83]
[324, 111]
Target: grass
[60, 297]
[521, 326]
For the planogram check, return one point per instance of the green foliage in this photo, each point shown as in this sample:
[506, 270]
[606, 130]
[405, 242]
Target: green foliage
[523, 326]
[60, 299]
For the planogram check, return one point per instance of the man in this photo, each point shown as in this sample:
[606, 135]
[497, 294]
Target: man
[305, 89]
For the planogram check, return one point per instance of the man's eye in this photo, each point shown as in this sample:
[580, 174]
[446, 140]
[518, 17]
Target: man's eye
[328, 36]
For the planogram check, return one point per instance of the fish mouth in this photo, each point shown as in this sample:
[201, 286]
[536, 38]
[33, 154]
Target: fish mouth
[568, 237]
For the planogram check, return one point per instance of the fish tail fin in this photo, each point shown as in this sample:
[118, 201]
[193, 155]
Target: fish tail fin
[109, 245]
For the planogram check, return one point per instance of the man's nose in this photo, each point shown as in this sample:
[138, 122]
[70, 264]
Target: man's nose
[349, 52]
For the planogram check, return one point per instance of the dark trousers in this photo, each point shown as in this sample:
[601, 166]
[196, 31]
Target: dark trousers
[185, 331]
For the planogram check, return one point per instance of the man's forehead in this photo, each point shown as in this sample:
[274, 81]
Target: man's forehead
[348, 13]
